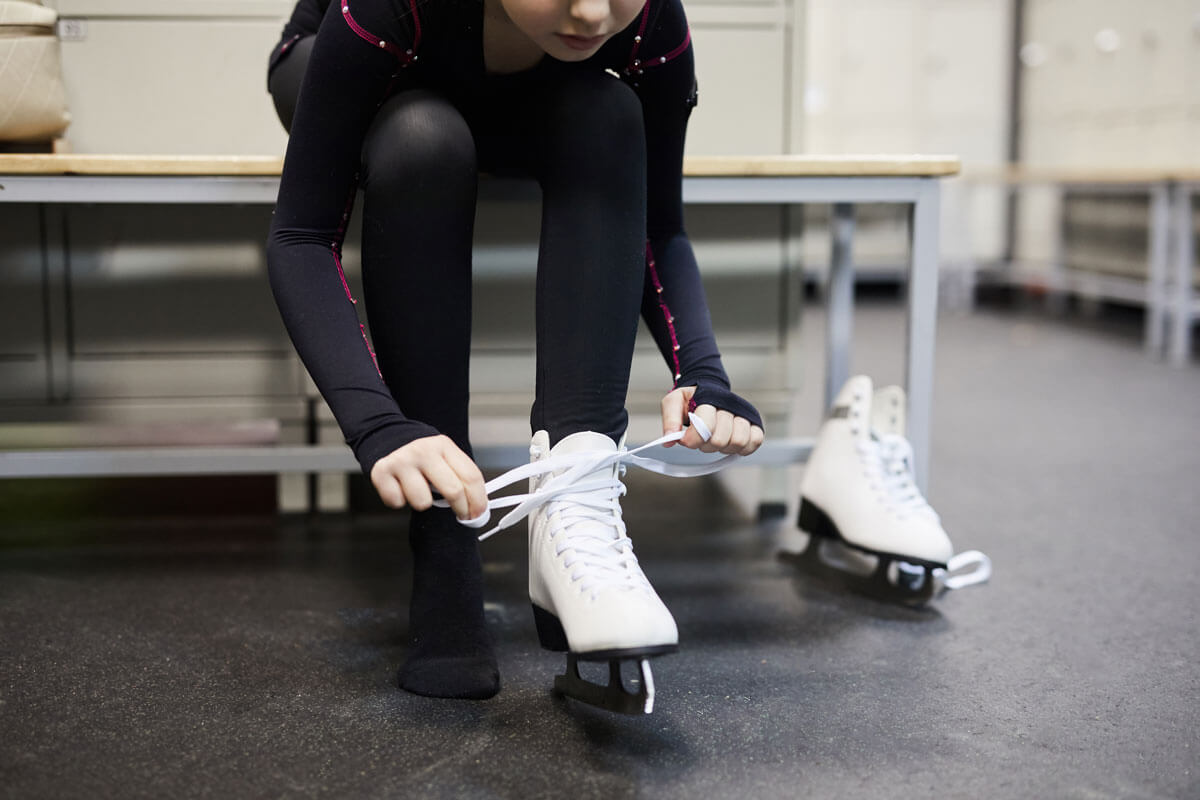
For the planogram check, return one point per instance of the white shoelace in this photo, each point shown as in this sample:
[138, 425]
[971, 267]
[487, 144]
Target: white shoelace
[597, 499]
[889, 462]
[967, 568]
[593, 498]
[584, 500]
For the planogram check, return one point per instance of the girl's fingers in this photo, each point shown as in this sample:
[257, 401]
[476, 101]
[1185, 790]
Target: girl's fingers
[388, 488]
[721, 432]
[756, 440]
[416, 489]
[674, 410]
[441, 477]
[472, 480]
[741, 435]
[673, 406]
[692, 438]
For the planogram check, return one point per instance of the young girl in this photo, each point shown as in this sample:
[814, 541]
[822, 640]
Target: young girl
[409, 100]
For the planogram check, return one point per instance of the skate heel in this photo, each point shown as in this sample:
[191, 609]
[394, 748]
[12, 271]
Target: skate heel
[549, 630]
[813, 520]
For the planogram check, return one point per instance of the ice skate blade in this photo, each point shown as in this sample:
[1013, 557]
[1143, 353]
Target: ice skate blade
[889, 577]
[888, 580]
[813, 520]
[613, 696]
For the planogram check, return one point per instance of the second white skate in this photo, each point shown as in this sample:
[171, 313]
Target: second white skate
[869, 524]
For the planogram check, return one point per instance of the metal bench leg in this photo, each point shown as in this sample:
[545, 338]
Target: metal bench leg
[1156, 269]
[56, 290]
[1185, 258]
[839, 302]
[922, 323]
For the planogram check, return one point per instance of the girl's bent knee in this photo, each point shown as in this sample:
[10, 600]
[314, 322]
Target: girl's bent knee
[597, 104]
[418, 135]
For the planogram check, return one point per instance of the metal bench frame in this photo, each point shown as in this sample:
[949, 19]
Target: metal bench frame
[841, 182]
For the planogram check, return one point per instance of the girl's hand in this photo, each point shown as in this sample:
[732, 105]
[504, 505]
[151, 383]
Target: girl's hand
[410, 475]
[730, 434]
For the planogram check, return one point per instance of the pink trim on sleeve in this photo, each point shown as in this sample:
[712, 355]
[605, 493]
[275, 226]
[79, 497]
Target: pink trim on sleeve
[289, 43]
[637, 65]
[406, 55]
[336, 249]
[662, 304]
[637, 40]
[678, 51]
[337, 259]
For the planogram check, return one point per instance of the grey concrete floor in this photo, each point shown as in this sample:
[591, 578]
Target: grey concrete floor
[256, 657]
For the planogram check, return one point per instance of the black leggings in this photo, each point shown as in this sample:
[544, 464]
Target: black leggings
[580, 135]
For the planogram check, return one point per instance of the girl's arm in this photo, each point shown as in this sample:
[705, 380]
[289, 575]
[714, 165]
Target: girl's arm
[346, 81]
[673, 304]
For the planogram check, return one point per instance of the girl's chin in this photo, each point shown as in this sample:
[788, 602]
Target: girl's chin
[576, 48]
[571, 55]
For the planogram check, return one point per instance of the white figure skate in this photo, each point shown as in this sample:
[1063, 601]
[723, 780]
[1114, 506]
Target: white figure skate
[590, 597]
[869, 524]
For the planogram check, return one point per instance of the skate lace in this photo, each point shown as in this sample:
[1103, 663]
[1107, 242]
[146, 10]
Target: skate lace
[601, 554]
[593, 497]
[889, 463]
[582, 502]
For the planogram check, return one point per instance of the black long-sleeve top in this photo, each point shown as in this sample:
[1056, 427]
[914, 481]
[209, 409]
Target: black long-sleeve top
[365, 51]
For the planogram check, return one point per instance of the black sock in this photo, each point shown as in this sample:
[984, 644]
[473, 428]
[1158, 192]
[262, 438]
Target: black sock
[451, 652]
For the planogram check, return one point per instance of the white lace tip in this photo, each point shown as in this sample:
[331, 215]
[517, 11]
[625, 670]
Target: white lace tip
[701, 428]
[967, 569]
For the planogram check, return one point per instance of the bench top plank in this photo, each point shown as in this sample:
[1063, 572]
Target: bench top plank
[695, 166]
[1018, 174]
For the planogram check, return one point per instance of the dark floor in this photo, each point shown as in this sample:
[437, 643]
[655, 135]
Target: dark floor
[257, 658]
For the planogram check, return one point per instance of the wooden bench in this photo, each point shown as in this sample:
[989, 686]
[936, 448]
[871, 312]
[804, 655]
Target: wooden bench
[51, 180]
[1167, 292]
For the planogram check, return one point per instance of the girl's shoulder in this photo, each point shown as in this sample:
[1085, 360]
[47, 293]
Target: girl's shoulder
[422, 18]
[659, 34]
[404, 27]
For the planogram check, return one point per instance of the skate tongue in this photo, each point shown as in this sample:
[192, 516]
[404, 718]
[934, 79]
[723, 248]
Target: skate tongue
[584, 442]
[597, 446]
[588, 443]
[888, 412]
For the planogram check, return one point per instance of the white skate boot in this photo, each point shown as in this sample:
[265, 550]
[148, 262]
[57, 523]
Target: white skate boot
[868, 522]
[590, 598]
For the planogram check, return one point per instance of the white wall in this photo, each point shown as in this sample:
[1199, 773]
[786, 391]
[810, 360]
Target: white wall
[1111, 82]
[744, 66]
[1107, 83]
[185, 76]
[919, 76]
[170, 76]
